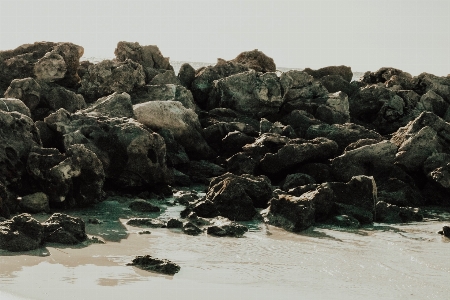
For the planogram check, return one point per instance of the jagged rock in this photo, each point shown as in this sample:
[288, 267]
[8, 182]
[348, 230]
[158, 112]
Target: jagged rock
[202, 171]
[21, 233]
[27, 90]
[296, 179]
[241, 163]
[367, 160]
[50, 67]
[267, 142]
[296, 152]
[143, 206]
[360, 143]
[234, 141]
[390, 77]
[35, 203]
[399, 192]
[342, 134]
[168, 77]
[131, 154]
[224, 227]
[215, 133]
[149, 263]
[343, 71]
[389, 213]
[250, 93]
[335, 83]
[77, 177]
[191, 229]
[319, 171]
[300, 121]
[183, 123]
[83, 68]
[146, 222]
[109, 76]
[11, 104]
[148, 56]
[301, 91]
[4, 209]
[205, 208]
[17, 136]
[430, 101]
[175, 153]
[290, 212]
[437, 168]
[256, 60]
[428, 82]
[336, 109]
[115, 105]
[186, 75]
[265, 126]
[55, 97]
[164, 92]
[64, 229]
[204, 78]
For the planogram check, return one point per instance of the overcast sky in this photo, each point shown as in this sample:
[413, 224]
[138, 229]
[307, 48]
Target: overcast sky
[412, 35]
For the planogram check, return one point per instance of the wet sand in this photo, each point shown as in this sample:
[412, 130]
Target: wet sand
[380, 262]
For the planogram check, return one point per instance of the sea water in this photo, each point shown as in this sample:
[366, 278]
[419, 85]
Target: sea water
[396, 261]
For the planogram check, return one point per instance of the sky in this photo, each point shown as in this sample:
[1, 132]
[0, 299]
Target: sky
[411, 35]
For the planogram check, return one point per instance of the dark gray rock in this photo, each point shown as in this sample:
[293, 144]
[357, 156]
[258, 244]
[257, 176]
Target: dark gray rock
[224, 227]
[143, 206]
[186, 75]
[64, 229]
[389, 213]
[174, 223]
[114, 105]
[191, 229]
[21, 233]
[149, 263]
[343, 71]
[146, 222]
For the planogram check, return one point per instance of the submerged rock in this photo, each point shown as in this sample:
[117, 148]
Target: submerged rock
[149, 263]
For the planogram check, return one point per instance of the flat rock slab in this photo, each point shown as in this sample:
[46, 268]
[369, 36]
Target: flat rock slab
[149, 263]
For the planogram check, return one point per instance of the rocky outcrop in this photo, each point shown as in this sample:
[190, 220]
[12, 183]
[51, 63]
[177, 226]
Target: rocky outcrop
[390, 77]
[149, 263]
[131, 155]
[182, 122]
[336, 83]
[21, 233]
[111, 76]
[256, 60]
[250, 93]
[64, 229]
[343, 71]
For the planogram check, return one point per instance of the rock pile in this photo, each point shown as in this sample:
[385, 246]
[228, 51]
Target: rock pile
[305, 146]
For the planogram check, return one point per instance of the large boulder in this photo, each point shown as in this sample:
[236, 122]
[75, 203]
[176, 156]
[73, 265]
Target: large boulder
[76, 179]
[114, 105]
[204, 77]
[55, 97]
[428, 82]
[335, 83]
[343, 71]
[111, 76]
[27, 90]
[335, 110]
[11, 104]
[131, 154]
[64, 229]
[186, 75]
[183, 123]
[256, 60]
[390, 77]
[297, 152]
[148, 56]
[250, 93]
[21, 233]
[300, 86]
[35, 203]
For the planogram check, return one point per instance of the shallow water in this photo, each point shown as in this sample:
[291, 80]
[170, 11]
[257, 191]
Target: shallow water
[377, 262]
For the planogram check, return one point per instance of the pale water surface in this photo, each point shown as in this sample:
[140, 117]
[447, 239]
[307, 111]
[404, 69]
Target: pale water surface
[409, 261]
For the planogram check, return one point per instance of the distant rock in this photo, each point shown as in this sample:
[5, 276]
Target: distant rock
[343, 71]
[148, 56]
[256, 60]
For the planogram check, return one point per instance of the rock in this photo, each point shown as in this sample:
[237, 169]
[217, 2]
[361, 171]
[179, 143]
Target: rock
[215, 133]
[241, 163]
[428, 82]
[165, 92]
[366, 160]
[76, 179]
[319, 171]
[258, 188]
[148, 56]
[21, 233]
[343, 71]
[64, 229]
[146, 222]
[175, 153]
[361, 143]
[363, 216]
[234, 141]
[56, 97]
[267, 142]
[389, 213]
[17, 136]
[149, 263]
[250, 93]
[293, 154]
[205, 208]
[131, 154]
[336, 109]
[4, 209]
[290, 212]
[186, 75]
[202, 171]
[35, 203]
[27, 90]
[300, 121]
[191, 229]
[445, 231]
[167, 77]
[296, 179]
[390, 77]
[114, 105]
[11, 104]
[256, 60]
[183, 123]
[50, 68]
[224, 227]
[430, 101]
[174, 223]
[335, 83]
[143, 206]
[181, 179]
[265, 126]
[204, 77]
[109, 76]
[342, 134]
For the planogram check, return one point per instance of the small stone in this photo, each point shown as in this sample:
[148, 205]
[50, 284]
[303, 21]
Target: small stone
[149, 263]
[174, 223]
[144, 232]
